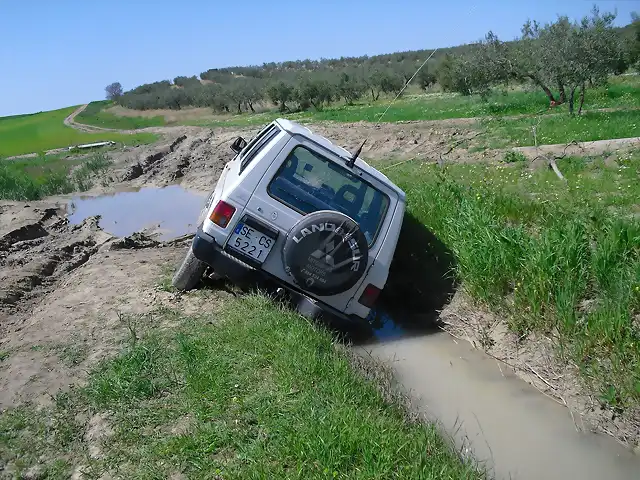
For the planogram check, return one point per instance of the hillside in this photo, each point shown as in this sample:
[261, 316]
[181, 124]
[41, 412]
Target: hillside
[546, 56]
[43, 131]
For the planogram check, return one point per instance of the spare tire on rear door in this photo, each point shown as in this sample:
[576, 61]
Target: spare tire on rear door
[326, 253]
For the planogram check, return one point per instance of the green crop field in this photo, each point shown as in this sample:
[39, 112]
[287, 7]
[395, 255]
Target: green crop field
[44, 131]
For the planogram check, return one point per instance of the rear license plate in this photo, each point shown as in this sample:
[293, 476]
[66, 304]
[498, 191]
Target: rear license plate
[250, 242]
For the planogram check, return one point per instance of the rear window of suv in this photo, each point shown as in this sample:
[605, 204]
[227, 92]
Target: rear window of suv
[308, 182]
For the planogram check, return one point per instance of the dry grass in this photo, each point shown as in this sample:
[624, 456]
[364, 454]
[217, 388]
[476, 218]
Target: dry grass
[170, 116]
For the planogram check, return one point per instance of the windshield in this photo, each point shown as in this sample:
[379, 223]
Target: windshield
[308, 182]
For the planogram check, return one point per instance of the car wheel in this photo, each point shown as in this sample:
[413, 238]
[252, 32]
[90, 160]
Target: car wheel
[189, 273]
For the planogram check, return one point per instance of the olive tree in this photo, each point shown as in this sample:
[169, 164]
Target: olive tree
[316, 92]
[280, 93]
[350, 87]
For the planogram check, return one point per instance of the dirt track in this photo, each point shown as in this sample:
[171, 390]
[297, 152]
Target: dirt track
[66, 288]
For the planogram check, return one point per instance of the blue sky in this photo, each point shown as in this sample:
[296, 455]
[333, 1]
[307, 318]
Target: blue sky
[59, 53]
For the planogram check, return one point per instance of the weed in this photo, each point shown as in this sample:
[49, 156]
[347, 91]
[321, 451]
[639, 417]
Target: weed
[35, 440]
[513, 156]
[165, 283]
[72, 354]
[82, 177]
[130, 322]
[33, 179]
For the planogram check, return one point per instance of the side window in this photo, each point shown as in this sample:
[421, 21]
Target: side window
[260, 140]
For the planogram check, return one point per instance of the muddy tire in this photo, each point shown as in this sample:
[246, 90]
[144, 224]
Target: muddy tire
[189, 273]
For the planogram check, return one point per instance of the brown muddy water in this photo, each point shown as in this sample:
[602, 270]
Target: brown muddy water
[168, 212]
[506, 424]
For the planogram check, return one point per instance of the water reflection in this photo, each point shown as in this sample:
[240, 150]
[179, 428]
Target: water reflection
[168, 212]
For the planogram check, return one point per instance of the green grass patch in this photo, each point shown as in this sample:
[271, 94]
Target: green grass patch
[564, 129]
[562, 259]
[620, 93]
[39, 177]
[45, 131]
[96, 115]
[257, 393]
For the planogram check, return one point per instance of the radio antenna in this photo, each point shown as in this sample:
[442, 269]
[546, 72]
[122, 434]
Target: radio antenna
[403, 89]
[351, 162]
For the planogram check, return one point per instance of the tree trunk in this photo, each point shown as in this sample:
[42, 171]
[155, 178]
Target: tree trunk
[373, 95]
[581, 98]
[251, 107]
[239, 109]
[572, 97]
[546, 90]
[563, 94]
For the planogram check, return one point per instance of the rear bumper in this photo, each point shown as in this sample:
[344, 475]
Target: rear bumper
[208, 251]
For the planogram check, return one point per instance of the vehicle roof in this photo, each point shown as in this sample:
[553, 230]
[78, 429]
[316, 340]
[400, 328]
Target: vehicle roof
[294, 128]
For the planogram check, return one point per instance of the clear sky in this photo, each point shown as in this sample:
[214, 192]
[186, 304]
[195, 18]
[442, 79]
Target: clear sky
[57, 53]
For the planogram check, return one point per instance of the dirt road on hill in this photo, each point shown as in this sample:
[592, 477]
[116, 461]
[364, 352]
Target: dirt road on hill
[67, 283]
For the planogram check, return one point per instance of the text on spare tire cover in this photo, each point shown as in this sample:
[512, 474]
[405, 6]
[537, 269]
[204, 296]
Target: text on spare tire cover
[326, 250]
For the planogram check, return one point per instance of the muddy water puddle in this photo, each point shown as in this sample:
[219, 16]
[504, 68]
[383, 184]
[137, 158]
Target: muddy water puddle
[166, 212]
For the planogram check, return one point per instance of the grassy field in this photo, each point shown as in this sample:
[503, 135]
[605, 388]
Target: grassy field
[620, 93]
[563, 259]
[255, 392]
[563, 129]
[44, 131]
[96, 115]
[36, 178]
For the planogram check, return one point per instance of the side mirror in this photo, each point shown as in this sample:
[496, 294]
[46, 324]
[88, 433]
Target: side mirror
[238, 144]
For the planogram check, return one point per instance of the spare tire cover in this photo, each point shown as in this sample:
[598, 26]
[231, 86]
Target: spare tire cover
[326, 253]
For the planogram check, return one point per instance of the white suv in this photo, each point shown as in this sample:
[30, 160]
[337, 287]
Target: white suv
[301, 213]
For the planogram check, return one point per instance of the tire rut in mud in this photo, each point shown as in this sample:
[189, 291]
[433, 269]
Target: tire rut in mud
[34, 256]
[195, 160]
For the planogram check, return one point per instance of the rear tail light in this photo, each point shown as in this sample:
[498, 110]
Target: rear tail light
[222, 214]
[369, 296]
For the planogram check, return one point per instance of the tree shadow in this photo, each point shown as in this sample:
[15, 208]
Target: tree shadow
[421, 282]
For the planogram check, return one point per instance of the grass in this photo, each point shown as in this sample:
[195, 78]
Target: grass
[258, 393]
[96, 115]
[36, 178]
[45, 131]
[564, 129]
[562, 259]
[620, 93]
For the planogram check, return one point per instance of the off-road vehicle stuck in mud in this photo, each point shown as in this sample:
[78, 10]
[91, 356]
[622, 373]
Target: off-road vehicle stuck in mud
[302, 214]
